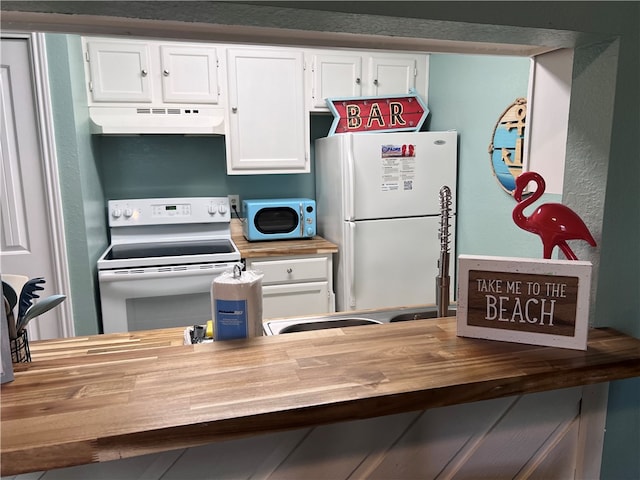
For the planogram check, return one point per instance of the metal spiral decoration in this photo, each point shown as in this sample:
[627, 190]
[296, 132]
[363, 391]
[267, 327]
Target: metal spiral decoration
[442, 281]
[445, 217]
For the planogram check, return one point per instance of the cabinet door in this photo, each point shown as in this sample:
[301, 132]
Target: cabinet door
[189, 74]
[119, 72]
[335, 76]
[292, 270]
[392, 75]
[268, 125]
[291, 300]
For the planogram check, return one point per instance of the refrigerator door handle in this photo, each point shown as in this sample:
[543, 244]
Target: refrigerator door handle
[351, 261]
[349, 185]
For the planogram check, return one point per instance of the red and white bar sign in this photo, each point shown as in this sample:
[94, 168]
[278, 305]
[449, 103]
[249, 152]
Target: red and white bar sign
[377, 114]
[524, 300]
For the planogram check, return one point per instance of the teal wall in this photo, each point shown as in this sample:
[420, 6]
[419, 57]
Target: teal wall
[175, 165]
[469, 93]
[80, 186]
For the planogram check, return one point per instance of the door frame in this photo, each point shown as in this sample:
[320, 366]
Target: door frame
[46, 134]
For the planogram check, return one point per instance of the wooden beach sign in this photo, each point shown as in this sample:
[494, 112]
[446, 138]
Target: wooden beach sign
[524, 300]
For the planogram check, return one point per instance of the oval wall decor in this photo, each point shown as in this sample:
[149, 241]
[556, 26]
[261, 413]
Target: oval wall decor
[506, 148]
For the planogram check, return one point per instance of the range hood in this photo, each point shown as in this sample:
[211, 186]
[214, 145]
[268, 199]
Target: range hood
[145, 120]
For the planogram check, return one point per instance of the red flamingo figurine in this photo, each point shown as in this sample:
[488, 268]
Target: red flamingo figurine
[553, 222]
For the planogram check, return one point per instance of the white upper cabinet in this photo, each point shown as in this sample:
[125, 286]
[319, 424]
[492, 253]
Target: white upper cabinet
[337, 74]
[392, 75]
[119, 72]
[151, 72]
[268, 123]
[189, 74]
[259, 97]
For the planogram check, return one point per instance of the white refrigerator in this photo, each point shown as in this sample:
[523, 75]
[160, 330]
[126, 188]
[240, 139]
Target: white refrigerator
[378, 199]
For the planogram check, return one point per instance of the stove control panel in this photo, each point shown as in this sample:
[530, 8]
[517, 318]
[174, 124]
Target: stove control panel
[171, 210]
[168, 211]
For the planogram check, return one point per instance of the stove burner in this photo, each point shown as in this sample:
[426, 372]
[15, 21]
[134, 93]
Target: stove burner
[168, 249]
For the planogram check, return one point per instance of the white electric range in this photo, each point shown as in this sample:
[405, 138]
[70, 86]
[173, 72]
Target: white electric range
[164, 254]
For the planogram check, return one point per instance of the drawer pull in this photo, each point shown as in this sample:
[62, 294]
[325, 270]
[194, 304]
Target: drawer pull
[289, 270]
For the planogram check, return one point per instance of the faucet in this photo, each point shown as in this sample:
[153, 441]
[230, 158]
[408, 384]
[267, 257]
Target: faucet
[443, 279]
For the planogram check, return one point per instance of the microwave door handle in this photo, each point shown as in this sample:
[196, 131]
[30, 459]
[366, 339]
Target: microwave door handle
[301, 220]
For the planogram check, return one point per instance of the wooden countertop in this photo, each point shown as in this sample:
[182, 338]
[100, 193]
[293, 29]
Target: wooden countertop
[276, 248]
[99, 398]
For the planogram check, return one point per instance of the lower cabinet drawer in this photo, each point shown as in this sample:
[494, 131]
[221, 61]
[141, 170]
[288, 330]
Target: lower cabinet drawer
[292, 270]
[295, 299]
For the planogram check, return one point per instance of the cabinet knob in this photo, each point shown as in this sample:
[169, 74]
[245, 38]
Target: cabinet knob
[165, 73]
[144, 73]
[289, 270]
[375, 82]
[358, 80]
[234, 109]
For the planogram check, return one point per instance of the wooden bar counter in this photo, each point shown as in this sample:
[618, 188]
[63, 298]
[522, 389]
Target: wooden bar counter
[105, 397]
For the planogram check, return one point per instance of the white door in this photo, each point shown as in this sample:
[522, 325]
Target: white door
[336, 76]
[547, 117]
[392, 75]
[268, 124]
[389, 263]
[120, 72]
[399, 174]
[189, 74]
[32, 241]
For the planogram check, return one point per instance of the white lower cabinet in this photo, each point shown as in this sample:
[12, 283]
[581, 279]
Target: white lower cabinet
[295, 285]
[295, 299]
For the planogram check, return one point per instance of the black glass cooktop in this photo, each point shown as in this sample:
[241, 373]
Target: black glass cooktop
[168, 249]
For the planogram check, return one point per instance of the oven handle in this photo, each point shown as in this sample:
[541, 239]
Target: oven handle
[159, 272]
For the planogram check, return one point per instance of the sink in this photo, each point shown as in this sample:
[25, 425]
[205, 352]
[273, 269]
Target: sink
[351, 319]
[322, 324]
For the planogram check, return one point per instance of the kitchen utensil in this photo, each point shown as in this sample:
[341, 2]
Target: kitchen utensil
[11, 323]
[10, 295]
[28, 293]
[38, 309]
[10, 299]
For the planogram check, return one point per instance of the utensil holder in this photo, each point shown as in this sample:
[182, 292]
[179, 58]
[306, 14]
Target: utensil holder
[20, 348]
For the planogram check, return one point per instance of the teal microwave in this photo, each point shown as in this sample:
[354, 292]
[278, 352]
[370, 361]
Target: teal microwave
[279, 219]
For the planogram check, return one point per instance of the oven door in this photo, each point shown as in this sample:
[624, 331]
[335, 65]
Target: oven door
[157, 297]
